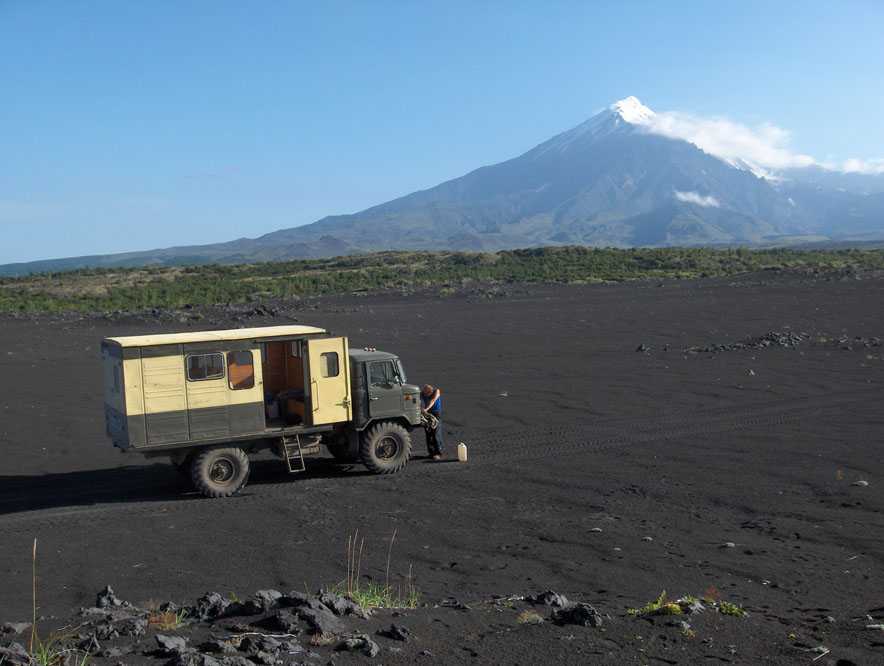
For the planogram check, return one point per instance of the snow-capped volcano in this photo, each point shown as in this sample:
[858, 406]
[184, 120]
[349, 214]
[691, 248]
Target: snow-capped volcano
[632, 111]
[627, 176]
[626, 115]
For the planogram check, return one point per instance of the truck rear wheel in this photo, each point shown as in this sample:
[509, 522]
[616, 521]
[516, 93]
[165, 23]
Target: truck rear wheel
[220, 472]
[385, 448]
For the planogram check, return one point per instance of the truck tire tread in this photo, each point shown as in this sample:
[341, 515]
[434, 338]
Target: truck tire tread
[201, 470]
[370, 440]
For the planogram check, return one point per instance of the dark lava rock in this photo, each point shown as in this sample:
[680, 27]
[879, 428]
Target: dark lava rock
[117, 625]
[268, 599]
[14, 627]
[257, 311]
[784, 339]
[293, 599]
[580, 614]
[211, 606]
[89, 644]
[549, 598]
[217, 646]
[289, 646]
[322, 621]
[14, 654]
[359, 643]
[396, 633]
[168, 645]
[107, 599]
[261, 657]
[193, 658]
[451, 602]
[237, 661]
[249, 607]
[117, 652]
[643, 348]
[132, 626]
[255, 644]
[341, 605]
[284, 621]
[268, 649]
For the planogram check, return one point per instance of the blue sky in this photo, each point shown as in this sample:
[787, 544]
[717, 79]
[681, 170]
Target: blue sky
[127, 126]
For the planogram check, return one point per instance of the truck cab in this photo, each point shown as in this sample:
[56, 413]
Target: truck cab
[381, 390]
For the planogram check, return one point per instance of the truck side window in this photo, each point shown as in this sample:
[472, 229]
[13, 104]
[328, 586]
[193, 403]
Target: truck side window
[205, 366]
[240, 370]
[376, 374]
[382, 374]
[329, 364]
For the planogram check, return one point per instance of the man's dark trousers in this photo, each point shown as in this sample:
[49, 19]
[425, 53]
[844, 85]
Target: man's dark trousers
[434, 438]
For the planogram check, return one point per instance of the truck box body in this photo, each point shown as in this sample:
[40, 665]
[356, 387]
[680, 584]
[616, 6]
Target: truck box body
[191, 388]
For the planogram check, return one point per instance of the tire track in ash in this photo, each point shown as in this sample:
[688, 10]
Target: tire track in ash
[503, 448]
[516, 441]
[521, 443]
[654, 423]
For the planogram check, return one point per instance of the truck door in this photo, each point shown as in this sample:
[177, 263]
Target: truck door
[384, 389]
[207, 399]
[329, 380]
[165, 395]
[245, 391]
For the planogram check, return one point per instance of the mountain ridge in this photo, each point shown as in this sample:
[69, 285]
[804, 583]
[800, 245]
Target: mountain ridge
[609, 181]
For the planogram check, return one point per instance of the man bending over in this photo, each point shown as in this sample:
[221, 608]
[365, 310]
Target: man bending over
[431, 406]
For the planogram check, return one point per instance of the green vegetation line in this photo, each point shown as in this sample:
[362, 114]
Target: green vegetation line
[136, 289]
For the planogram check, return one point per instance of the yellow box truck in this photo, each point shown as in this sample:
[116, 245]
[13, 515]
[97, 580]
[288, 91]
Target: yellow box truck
[207, 399]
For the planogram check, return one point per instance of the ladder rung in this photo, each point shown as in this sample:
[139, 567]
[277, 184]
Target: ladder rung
[294, 456]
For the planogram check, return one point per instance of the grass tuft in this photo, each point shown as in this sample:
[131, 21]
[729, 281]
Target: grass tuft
[660, 606]
[372, 594]
[728, 608]
[322, 640]
[52, 651]
[167, 620]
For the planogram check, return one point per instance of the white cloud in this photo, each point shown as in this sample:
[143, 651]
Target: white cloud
[764, 146]
[855, 165]
[698, 199]
[759, 148]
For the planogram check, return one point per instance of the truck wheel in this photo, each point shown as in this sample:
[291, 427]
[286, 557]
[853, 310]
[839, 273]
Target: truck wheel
[220, 472]
[385, 448]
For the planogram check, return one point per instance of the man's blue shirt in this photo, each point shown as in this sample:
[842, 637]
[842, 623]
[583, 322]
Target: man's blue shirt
[437, 408]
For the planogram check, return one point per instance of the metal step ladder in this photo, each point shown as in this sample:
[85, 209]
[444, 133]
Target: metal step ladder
[294, 456]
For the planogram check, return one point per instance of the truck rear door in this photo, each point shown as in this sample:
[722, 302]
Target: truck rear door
[329, 380]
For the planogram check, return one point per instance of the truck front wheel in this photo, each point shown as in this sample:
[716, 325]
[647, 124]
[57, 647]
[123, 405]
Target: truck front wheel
[385, 448]
[220, 472]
